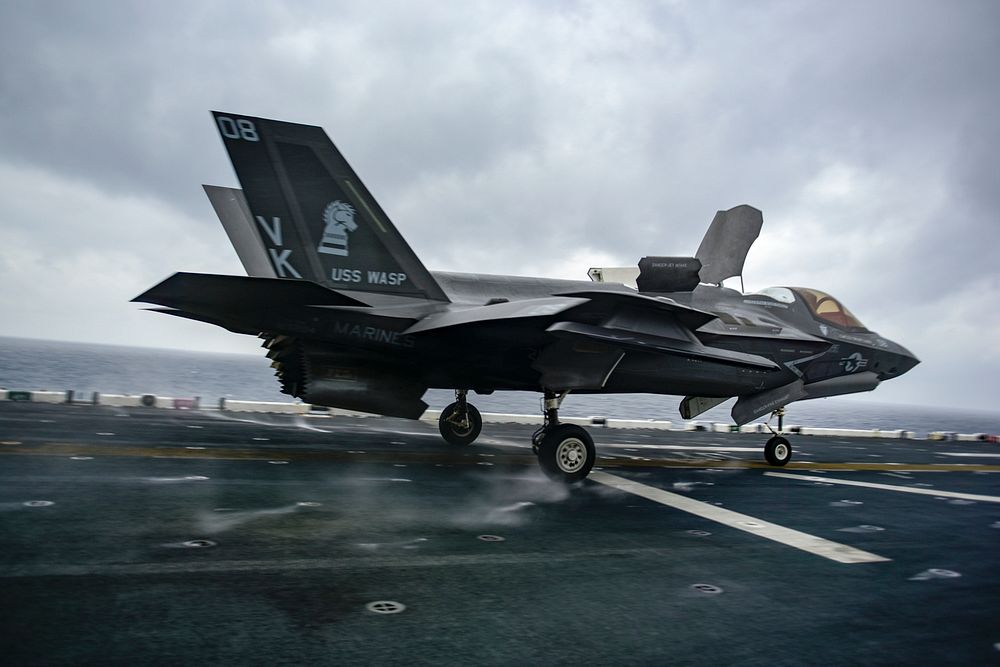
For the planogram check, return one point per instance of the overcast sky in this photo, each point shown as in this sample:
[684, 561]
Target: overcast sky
[533, 138]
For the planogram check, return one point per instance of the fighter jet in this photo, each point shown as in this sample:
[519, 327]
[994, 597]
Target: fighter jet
[352, 319]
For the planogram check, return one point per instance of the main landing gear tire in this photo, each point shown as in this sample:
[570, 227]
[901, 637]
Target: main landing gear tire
[778, 451]
[566, 453]
[460, 429]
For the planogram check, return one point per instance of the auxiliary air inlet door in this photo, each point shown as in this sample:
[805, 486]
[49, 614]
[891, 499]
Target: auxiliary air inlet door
[724, 249]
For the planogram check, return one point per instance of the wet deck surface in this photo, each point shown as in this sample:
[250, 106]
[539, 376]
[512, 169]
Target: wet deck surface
[154, 536]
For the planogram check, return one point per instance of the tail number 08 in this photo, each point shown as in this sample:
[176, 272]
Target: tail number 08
[240, 128]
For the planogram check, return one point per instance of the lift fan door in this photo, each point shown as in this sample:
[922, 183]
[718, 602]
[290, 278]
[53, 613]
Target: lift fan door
[724, 249]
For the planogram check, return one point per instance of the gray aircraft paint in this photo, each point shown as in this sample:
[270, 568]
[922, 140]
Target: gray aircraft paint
[724, 249]
[355, 320]
[314, 216]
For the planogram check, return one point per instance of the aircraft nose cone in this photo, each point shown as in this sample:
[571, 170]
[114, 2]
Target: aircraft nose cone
[906, 362]
[898, 362]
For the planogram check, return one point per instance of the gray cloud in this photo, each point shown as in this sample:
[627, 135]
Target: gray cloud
[524, 138]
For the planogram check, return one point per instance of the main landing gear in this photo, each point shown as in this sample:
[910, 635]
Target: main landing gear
[565, 451]
[777, 450]
[460, 423]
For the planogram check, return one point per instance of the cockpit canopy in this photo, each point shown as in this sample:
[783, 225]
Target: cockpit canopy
[822, 306]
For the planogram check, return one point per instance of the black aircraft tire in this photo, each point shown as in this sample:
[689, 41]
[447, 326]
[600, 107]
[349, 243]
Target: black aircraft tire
[566, 453]
[457, 434]
[778, 451]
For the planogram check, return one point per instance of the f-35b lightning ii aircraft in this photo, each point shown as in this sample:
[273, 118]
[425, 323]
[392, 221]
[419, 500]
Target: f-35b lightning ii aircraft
[352, 319]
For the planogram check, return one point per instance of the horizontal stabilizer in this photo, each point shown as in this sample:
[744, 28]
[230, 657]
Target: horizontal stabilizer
[640, 342]
[205, 292]
[208, 319]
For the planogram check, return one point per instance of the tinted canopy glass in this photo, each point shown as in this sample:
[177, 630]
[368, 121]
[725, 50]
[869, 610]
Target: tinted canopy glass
[828, 309]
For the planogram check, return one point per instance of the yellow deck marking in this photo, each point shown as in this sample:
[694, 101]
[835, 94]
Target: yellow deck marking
[430, 456]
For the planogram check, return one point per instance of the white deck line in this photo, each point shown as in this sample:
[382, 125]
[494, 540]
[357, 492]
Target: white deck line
[888, 487]
[972, 454]
[834, 551]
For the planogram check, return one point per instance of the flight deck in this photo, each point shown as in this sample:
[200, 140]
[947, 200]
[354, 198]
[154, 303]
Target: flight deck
[141, 535]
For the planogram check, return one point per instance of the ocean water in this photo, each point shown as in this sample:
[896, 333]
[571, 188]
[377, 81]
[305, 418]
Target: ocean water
[85, 368]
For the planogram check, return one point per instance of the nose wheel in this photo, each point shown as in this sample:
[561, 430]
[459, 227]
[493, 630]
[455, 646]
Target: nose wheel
[778, 451]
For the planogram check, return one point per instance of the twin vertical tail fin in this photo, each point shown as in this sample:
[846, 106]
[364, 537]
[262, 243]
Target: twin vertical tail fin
[312, 217]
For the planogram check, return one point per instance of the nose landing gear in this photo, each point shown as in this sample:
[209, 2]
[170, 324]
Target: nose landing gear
[777, 450]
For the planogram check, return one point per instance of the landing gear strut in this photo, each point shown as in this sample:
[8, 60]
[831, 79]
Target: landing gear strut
[777, 451]
[565, 451]
[460, 423]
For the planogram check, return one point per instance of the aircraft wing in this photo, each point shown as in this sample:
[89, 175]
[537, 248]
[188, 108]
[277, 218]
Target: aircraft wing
[642, 342]
[592, 339]
[691, 318]
[591, 331]
[495, 313]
